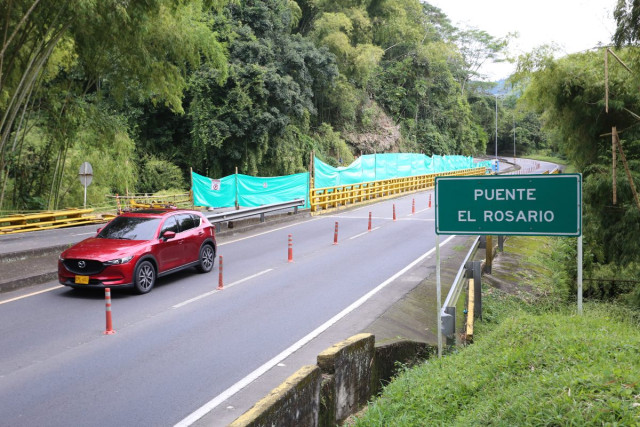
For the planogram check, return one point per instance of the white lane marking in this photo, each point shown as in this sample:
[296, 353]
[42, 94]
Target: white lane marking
[189, 301]
[213, 403]
[362, 234]
[83, 234]
[31, 294]
[354, 217]
[267, 232]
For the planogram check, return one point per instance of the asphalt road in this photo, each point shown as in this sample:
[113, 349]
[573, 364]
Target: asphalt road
[185, 343]
[186, 349]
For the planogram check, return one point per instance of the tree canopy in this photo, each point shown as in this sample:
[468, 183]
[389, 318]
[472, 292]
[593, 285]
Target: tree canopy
[142, 86]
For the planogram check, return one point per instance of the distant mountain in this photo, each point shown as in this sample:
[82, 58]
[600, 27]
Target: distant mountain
[500, 88]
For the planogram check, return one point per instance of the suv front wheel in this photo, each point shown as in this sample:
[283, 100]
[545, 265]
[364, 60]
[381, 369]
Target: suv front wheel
[144, 277]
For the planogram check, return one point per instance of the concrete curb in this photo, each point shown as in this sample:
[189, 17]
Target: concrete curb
[30, 253]
[24, 282]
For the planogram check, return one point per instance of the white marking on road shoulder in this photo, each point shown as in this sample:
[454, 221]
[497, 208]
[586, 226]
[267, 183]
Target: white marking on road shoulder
[213, 403]
[84, 234]
[267, 232]
[189, 301]
[362, 234]
[31, 294]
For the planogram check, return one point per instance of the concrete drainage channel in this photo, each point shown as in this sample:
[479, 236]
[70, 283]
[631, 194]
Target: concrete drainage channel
[346, 376]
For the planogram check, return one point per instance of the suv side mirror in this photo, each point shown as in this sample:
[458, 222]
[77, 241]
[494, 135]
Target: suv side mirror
[168, 235]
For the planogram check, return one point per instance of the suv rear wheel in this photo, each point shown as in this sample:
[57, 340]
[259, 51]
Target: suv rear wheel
[207, 258]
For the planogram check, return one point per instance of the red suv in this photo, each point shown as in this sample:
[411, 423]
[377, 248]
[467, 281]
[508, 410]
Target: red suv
[137, 247]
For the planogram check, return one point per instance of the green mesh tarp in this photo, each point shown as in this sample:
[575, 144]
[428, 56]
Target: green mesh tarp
[376, 167]
[219, 193]
[248, 191]
[256, 191]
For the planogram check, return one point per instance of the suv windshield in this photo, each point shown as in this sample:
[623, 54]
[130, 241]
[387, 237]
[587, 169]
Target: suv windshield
[130, 228]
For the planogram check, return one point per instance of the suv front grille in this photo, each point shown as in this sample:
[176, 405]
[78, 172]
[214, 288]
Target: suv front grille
[84, 267]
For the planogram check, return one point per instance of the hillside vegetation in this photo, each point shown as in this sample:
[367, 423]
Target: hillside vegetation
[534, 360]
[145, 91]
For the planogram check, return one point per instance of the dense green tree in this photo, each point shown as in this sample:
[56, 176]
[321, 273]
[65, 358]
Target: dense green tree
[59, 59]
[476, 48]
[255, 120]
[262, 84]
[627, 16]
[569, 94]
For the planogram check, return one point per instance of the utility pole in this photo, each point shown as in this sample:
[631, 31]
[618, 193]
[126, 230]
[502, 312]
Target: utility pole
[514, 136]
[496, 127]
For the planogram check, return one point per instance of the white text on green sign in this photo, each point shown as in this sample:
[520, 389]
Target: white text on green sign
[513, 205]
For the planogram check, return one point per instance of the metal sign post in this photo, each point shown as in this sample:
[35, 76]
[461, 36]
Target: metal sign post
[517, 205]
[86, 176]
[438, 296]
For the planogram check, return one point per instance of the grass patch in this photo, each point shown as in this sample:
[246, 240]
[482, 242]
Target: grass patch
[534, 362]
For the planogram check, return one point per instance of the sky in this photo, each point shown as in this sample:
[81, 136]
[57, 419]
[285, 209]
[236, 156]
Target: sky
[573, 25]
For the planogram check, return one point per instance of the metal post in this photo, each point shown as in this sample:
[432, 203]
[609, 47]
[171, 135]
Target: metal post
[236, 179]
[450, 325]
[489, 254]
[501, 243]
[191, 190]
[477, 288]
[580, 274]
[496, 128]
[438, 296]
[514, 136]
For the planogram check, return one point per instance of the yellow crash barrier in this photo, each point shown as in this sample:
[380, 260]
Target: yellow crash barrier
[344, 195]
[46, 220]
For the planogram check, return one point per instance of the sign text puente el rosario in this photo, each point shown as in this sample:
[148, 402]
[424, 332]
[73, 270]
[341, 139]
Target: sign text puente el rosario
[547, 205]
[520, 205]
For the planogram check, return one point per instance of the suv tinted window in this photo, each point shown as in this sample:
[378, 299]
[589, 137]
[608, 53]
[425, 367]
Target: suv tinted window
[130, 228]
[187, 221]
[170, 225]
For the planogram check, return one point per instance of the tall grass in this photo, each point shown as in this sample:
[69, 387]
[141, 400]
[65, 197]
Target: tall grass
[534, 362]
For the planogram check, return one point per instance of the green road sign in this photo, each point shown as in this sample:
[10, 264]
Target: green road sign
[543, 205]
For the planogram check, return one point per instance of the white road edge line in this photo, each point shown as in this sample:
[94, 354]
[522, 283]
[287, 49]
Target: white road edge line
[189, 301]
[268, 231]
[362, 234]
[31, 294]
[213, 403]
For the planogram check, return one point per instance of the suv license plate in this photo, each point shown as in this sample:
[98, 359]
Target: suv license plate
[82, 280]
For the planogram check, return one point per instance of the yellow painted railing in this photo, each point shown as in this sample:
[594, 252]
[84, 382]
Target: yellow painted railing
[142, 201]
[47, 220]
[470, 312]
[344, 195]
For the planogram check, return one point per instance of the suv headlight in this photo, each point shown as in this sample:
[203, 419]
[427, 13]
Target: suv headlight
[119, 261]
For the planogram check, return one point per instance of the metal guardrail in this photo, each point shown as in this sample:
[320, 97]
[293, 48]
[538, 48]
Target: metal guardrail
[456, 288]
[447, 312]
[259, 210]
